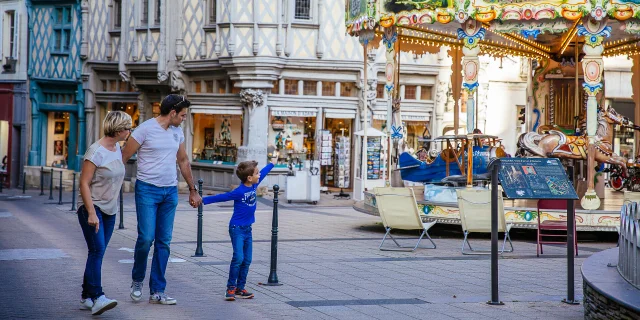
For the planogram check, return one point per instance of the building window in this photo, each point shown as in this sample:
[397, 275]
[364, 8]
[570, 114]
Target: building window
[10, 35]
[291, 87]
[222, 86]
[211, 11]
[209, 85]
[347, 89]
[197, 86]
[117, 14]
[310, 88]
[145, 12]
[328, 89]
[276, 87]
[157, 15]
[303, 9]
[234, 89]
[409, 92]
[380, 91]
[61, 30]
[425, 93]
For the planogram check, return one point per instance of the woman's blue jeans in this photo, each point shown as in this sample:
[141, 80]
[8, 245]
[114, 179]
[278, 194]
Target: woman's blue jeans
[242, 241]
[97, 244]
[156, 209]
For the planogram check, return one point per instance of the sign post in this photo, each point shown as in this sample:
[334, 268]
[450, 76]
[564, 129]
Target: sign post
[543, 178]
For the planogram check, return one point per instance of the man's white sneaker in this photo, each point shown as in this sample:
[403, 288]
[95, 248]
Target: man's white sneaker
[103, 304]
[86, 304]
[136, 290]
[161, 298]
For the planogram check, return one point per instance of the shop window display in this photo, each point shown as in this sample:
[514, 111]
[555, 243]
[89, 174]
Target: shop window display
[336, 153]
[58, 139]
[293, 137]
[216, 138]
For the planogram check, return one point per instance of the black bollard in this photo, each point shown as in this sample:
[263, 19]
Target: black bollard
[273, 275]
[570, 247]
[41, 181]
[73, 194]
[1, 182]
[24, 182]
[60, 193]
[51, 185]
[495, 299]
[121, 226]
[199, 252]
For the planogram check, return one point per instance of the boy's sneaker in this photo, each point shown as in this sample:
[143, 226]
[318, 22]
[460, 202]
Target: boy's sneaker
[136, 290]
[230, 294]
[103, 304]
[243, 294]
[161, 298]
[86, 304]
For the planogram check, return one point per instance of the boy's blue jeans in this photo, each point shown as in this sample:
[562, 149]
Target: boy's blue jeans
[156, 209]
[241, 240]
[97, 244]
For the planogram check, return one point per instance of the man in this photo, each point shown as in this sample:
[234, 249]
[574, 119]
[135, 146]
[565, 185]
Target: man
[160, 144]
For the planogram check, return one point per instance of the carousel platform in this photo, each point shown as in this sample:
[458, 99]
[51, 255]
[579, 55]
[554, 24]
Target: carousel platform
[522, 213]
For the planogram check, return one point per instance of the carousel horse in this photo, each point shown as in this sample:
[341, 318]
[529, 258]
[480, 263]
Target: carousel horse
[556, 144]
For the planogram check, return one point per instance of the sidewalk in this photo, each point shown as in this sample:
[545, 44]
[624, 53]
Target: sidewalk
[331, 268]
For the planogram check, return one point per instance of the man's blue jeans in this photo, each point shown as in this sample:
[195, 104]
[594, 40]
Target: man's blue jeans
[97, 244]
[241, 240]
[156, 209]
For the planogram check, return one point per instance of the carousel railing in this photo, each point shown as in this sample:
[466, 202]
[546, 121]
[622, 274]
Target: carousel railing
[629, 243]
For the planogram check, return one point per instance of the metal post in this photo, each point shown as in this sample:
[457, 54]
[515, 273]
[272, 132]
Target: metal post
[24, 182]
[199, 252]
[60, 191]
[273, 275]
[495, 299]
[121, 226]
[51, 185]
[42, 181]
[1, 182]
[73, 194]
[570, 247]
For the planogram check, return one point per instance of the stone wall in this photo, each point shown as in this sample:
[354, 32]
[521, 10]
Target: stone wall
[599, 307]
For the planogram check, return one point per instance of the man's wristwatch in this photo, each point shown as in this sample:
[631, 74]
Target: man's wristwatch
[193, 189]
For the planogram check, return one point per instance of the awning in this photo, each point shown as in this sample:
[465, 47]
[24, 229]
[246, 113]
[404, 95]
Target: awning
[371, 132]
[293, 112]
[235, 110]
[340, 114]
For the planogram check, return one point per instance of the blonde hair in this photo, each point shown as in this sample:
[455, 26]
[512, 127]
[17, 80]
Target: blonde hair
[116, 121]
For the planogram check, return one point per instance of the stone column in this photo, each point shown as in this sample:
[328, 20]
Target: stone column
[594, 33]
[441, 97]
[471, 33]
[257, 114]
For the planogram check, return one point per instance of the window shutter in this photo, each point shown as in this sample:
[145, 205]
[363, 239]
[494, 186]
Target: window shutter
[16, 35]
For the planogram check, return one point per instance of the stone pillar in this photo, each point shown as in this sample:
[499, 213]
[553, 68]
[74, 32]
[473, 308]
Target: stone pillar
[441, 97]
[257, 114]
[471, 33]
[594, 33]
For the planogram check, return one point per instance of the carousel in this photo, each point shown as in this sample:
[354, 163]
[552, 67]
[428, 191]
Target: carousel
[564, 42]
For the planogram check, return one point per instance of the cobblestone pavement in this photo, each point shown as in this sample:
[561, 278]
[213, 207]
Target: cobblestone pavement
[328, 262]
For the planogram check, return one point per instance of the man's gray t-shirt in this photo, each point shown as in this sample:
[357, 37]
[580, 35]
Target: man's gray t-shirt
[157, 155]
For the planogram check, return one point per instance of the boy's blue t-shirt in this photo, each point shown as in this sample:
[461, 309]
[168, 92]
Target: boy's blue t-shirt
[244, 200]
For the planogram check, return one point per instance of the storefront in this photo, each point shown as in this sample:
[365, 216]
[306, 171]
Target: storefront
[216, 138]
[292, 131]
[414, 123]
[336, 150]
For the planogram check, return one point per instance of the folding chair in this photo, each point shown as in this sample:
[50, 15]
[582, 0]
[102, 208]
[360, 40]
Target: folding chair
[475, 216]
[551, 225]
[398, 209]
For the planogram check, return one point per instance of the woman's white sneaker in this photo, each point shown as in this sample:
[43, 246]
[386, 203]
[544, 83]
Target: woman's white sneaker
[136, 290]
[103, 304]
[86, 304]
[161, 298]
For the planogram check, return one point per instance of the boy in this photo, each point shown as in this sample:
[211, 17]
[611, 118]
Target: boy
[244, 209]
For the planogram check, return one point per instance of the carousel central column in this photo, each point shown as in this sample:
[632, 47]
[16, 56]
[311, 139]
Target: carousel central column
[471, 33]
[594, 33]
[389, 39]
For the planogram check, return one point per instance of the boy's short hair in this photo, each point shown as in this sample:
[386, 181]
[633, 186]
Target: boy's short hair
[246, 169]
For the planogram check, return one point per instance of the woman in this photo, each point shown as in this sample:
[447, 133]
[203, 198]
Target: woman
[100, 180]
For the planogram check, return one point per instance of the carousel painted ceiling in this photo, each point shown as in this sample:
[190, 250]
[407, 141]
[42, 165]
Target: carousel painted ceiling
[537, 29]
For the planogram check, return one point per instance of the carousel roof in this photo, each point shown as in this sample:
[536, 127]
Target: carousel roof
[535, 29]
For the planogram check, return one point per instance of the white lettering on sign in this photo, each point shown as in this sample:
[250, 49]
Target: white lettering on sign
[291, 113]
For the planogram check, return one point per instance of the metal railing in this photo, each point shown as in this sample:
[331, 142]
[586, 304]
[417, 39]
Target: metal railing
[629, 243]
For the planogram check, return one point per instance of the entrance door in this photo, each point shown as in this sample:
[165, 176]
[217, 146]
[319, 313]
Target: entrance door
[4, 150]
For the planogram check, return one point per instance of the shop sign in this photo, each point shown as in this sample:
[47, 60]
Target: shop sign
[292, 113]
[414, 118]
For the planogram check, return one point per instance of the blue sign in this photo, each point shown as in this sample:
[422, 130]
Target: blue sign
[535, 178]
